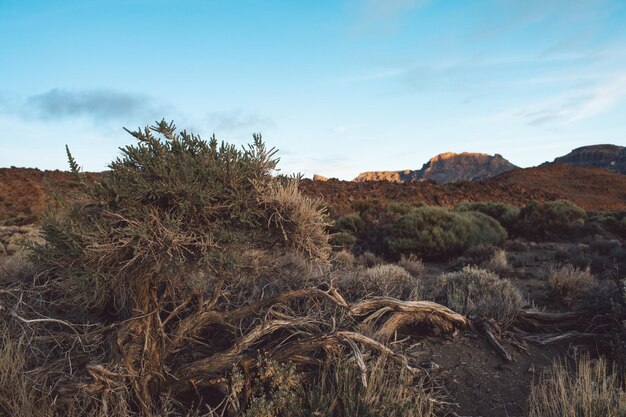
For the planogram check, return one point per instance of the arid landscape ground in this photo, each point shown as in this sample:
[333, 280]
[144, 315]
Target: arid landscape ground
[539, 283]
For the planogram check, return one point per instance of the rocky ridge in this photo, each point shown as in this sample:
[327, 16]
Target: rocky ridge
[447, 167]
[610, 157]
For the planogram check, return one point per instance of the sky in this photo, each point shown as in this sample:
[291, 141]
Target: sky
[338, 87]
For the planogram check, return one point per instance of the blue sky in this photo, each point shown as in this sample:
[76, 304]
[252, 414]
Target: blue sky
[339, 87]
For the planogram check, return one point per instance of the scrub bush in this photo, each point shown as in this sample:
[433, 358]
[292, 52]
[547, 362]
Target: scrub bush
[434, 232]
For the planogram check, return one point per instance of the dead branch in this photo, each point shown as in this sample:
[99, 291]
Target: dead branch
[486, 328]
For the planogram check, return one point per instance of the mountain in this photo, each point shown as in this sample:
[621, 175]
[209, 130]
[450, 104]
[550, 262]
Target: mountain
[447, 167]
[611, 157]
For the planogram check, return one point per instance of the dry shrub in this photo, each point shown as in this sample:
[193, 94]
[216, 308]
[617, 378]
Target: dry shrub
[368, 259]
[412, 264]
[498, 262]
[590, 389]
[570, 283]
[386, 280]
[581, 290]
[478, 292]
[18, 395]
[15, 268]
[302, 220]
[344, 260]
[382, 389]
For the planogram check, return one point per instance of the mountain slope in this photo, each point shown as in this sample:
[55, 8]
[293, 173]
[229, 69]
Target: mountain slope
[445, 168]
[611, 157]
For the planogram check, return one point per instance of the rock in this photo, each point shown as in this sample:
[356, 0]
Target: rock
[609, 157]
[318, 177]
[445, 168]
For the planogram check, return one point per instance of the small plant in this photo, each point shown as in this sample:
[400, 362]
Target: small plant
[274, 390]
[498, 262]
[381, 280]
[341, 241]
[381, 389]
[344, 260]
[589, 389]
[412, 264]
[581, 290]
[481, 293]
[570, 283]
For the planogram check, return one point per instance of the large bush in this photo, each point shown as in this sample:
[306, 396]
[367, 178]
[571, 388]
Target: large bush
[171, 204]
[435, 232]
[505, 214]
[549, 218]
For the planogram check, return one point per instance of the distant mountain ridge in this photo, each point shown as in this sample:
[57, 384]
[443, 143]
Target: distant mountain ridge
[610, 157]
[447, 167]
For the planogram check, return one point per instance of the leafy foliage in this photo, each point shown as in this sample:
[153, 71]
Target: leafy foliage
[434, 232]
[552, 217]
[505, 214]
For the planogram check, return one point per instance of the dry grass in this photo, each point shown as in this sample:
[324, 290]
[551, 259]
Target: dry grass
[581, 290]
[477, 292]
[590, 389]
[344, 260]
[412, 264]
[15, 268]
[377, 389]
[301, 219]
[498, 262]
[386, 280]
[570, 283]
[18, 398]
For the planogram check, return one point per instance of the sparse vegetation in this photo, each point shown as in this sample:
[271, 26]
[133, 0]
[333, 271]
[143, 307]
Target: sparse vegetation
[386, 280]
[411, 264]
[589, 389]
[581, 290]
[191, 280]
[381, 389]
[480, 293]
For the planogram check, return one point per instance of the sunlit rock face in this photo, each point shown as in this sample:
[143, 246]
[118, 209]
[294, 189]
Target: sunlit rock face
[447, 167]
[611, 157]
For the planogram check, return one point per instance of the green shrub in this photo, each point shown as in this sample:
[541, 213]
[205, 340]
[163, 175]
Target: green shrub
[434, 232]
[553, 217]
[481, 293]
[349, 223]
[342, 240]
[505, 214]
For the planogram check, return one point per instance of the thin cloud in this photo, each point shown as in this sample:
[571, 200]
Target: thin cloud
[383, 15]
[579, 105]
[238, 119]
[100, 105]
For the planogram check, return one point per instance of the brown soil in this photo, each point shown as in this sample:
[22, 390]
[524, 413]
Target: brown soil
[590, 188]
[593, 189]
[25, 192]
